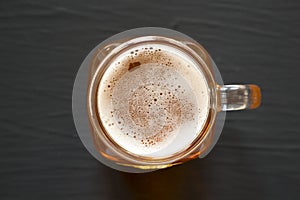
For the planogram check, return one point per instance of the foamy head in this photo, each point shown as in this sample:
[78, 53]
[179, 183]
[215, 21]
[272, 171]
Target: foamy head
[153, 100]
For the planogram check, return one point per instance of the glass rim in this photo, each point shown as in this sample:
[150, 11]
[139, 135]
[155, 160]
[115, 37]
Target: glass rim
[95, 120]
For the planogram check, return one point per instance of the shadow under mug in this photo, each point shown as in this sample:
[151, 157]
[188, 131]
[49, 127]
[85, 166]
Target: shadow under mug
[95, 135]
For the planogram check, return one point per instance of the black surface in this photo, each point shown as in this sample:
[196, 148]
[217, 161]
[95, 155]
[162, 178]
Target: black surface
[42, 45]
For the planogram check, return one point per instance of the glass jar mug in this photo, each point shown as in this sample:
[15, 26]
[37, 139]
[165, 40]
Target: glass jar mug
[150, 98]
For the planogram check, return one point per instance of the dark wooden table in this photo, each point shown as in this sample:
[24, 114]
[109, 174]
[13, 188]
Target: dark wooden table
[42, 45]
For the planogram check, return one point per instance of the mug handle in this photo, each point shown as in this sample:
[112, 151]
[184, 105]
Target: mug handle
[238, 97]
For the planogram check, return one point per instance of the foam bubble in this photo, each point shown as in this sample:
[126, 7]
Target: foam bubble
[149, 100]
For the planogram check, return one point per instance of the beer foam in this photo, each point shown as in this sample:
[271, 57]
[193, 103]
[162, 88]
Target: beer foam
[153, 100]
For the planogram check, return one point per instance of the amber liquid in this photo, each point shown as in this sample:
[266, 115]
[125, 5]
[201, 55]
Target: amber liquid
[104, 141]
